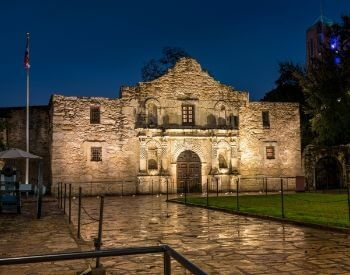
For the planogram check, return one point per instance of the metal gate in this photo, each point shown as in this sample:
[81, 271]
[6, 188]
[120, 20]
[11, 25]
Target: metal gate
[188, 169]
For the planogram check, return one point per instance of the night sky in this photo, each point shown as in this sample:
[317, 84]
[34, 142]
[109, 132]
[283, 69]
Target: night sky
[91, 48]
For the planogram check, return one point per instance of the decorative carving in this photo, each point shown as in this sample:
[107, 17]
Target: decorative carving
[187, 144]
[143, 152]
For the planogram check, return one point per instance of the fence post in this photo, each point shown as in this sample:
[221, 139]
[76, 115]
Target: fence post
[152, 187]
[167, 189]
[61, 200]
[18, 200]
[186, 190]
[207, 192]
[348, 200]
[58, 194]
[79, 212]
[237, 194]
[70, 203]
[167, 263]
[282, 199]
[266, 186]
[65, 196]
[159, 192]
[99, 237]
[217, 187]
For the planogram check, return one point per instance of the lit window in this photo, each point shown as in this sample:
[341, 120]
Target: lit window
[266, 119]
[96, 153]
[187, 115]
[270, 152]
[95, 115]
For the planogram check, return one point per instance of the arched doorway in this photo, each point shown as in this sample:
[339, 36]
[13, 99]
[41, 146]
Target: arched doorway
[188, 169]
[328, 173]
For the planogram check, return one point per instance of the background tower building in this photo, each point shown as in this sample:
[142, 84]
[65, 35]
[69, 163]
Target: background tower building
[316, 35]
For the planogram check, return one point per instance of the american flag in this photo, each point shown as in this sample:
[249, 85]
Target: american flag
[26, 54]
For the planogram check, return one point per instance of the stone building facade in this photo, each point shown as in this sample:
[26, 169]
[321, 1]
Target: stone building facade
[39, 132]
[178, 131]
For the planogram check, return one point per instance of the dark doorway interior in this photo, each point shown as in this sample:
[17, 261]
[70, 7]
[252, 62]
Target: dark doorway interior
[188, 169]
[328, 173]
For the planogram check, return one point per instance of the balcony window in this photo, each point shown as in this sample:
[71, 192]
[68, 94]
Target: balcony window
[187, 115]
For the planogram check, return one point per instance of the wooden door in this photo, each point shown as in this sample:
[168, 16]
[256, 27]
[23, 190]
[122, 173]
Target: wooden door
[189, 172]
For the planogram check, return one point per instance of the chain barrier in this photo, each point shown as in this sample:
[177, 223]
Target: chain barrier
[87, 214]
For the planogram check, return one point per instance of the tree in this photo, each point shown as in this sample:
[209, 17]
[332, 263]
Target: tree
[288, 89]
[2, 128]
[326, 86]
[158, 67]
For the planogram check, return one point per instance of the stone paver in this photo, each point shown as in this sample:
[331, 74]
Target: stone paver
[23, 234]
[219, 243]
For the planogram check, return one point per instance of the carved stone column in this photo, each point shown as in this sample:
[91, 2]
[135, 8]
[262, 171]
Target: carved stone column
[214, 156]
[163, 156]
[143, 155]
[234, 155]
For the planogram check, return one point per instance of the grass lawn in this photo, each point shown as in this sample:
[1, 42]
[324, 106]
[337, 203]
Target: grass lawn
[325, 209]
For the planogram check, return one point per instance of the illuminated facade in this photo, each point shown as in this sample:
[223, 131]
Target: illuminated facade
[184, 128]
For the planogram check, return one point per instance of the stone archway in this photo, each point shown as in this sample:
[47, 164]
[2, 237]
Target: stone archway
[328, 173]
[188, 172]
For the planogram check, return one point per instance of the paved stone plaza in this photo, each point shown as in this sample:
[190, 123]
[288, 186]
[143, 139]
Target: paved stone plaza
[219, 243]
[25, 235]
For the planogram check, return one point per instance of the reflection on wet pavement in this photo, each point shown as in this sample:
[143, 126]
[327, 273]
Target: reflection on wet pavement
[217, 242]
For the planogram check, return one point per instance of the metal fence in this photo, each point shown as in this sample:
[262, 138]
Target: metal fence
[66, 200]
[168, 254]
[97, 188]
[277, 197]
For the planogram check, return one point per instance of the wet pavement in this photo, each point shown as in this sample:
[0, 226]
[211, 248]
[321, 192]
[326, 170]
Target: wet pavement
[219, 243]
[22, 235]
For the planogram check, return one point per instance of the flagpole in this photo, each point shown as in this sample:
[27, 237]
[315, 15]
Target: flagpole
[27, 118]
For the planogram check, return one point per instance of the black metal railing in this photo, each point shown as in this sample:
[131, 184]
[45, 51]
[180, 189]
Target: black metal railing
[98, 188]
[165, 249]
[62, 196]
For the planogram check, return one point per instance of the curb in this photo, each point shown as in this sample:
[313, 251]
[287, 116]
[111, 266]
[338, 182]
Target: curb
[265, 217]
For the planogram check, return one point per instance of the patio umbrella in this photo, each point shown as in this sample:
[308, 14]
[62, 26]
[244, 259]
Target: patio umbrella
[14, 153]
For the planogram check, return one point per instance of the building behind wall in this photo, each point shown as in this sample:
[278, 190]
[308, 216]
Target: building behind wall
[184, 128]
[316, 37]
[14, 136]
[325, 167]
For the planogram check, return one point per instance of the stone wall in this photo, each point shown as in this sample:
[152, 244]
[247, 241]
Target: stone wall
[313, 154]
[73, 136]
[142, 135]
[283, 134]
[39, 133]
